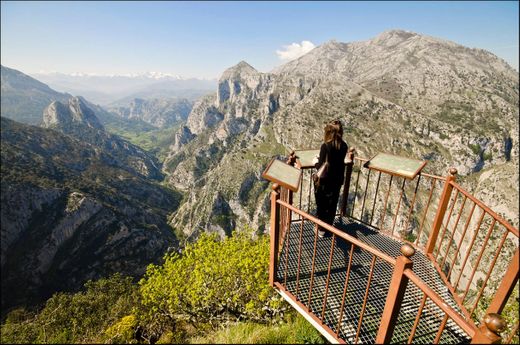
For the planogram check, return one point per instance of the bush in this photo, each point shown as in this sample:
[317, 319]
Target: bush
[487, 156]
[123, 331]
[213, 281]
[74, 318]
[475, 148]
[19, 327]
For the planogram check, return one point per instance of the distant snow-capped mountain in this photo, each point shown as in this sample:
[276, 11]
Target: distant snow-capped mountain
[106, 89]
[146, 75]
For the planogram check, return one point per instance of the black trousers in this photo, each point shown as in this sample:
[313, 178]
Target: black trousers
[327, 196]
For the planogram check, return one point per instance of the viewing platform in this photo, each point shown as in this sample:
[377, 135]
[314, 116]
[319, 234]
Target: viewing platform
[410, 258]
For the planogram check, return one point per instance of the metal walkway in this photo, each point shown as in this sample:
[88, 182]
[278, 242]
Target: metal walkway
[298, 285]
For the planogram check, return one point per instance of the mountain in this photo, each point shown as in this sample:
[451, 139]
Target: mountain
[117, 90]
[157, 112]
[77, 203]
[24, 98]
[78, 120]
[400, 92]
[76, 113]
[72, 211]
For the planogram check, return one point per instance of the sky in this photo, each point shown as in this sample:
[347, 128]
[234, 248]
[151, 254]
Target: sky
[202, 39]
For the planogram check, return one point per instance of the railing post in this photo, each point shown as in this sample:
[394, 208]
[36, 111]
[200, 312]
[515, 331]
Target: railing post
[441, 210]
[291, 160]
[506, 287]
[346, 183]
[487, 333]
[395, 295]
[274, 233]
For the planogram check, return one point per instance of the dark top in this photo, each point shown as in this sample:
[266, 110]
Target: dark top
[336, 158]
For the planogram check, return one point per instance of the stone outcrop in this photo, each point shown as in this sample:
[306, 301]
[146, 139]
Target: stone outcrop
[75, 113]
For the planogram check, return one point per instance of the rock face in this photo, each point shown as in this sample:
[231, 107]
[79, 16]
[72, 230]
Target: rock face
[24, 98]
[79, 120]
[157, 112]
[400, 93]
[76, 113]
[70, 211]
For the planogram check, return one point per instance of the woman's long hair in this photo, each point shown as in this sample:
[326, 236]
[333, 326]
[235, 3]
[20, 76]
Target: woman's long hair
[334, 134]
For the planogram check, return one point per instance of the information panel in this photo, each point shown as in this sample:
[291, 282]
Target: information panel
[304, 158]
[396, 165]
[283, 174]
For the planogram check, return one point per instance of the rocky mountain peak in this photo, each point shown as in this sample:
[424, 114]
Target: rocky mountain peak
[396, 34]
[240, 69]
[332, 45]
[235, 80]
[409, 40]
[75, 113]
[24, 98]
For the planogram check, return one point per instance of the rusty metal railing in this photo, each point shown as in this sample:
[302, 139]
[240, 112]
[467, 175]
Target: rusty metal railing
[470, 246]
[476, 252]
[433, 312]
[397, 206]
[304, 296]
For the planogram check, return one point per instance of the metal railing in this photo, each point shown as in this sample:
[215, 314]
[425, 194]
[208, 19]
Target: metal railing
[397, 206]
[434, 215]
[476, 252]
[306, 296]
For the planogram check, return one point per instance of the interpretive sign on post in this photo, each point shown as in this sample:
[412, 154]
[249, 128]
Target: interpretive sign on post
[304, 158]
[396, 165]
[283, 174]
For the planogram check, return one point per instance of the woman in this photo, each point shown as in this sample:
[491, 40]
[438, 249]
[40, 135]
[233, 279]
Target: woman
[333, 150]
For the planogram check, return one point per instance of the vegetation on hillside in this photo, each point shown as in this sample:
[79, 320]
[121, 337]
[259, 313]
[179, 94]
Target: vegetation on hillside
[214, 291]
[155, 141]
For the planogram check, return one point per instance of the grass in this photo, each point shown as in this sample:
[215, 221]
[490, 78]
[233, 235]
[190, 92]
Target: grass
[155, 141]
[296, 331]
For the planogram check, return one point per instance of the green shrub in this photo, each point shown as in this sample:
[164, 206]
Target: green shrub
[122, 332]
[475, 148]
[213, 281]
[74, 318]
[19, 327]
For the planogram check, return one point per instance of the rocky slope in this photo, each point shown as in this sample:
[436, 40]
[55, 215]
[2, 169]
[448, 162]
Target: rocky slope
[400, 93]
[78, 120]
[74, 210]
[24, 98]
[157, 112]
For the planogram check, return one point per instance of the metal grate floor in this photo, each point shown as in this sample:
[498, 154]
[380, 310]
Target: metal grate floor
[299, 285]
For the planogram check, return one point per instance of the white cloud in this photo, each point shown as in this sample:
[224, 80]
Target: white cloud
[295, 50]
